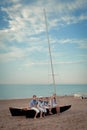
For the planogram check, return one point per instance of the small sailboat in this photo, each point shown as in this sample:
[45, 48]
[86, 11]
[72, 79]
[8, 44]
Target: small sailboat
[31, 113]
[15, 111]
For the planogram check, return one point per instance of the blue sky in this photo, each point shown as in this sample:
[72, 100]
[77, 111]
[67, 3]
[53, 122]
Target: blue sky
[24, 57]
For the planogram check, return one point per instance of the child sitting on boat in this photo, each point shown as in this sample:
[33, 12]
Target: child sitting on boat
[53, 103]
[41, 105]
[47, 105]
[34, 106]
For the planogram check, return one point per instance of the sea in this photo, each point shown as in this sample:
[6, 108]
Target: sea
[22, 91]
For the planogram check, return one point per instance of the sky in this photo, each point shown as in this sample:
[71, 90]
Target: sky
[24, 55]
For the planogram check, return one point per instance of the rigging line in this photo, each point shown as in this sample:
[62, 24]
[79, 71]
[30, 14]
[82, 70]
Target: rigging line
[50, 51]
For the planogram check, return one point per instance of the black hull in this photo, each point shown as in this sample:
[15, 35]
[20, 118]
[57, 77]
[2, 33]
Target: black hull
[64, 108]
[31, 113]
[17, 111]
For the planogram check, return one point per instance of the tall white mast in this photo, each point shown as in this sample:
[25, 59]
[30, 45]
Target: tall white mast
[50, 51]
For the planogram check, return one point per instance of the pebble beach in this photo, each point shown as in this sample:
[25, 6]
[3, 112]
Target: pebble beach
[73, 119]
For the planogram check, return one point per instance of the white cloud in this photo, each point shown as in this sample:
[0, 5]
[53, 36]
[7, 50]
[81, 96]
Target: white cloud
[2, 46]
[73, 19]
[13, 53]
[82, 43]
[83, 55]
[69, 6]
[65, 20]
[74, 5]
[72, 62]
[46, 63]
[26, 21]
[31, 63]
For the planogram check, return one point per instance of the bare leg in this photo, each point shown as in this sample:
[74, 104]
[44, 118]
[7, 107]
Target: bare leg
[50, 110]
[57, 109]
[35, 115]
[41, 114]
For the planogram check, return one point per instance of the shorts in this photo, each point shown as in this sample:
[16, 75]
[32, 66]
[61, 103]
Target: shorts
[54, 105]
[34, 108]
[42, 109]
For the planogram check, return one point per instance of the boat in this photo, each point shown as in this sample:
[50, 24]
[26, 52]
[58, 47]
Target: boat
[15, 111]
[30, 113]
[80, 96]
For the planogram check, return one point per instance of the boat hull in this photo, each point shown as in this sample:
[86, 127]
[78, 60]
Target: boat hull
[31, 113]
[17, 111]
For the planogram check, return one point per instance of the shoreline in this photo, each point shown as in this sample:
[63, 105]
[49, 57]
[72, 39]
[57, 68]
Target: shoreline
[8, 99]
[73, 119]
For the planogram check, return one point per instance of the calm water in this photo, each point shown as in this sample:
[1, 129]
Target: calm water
[26, 91]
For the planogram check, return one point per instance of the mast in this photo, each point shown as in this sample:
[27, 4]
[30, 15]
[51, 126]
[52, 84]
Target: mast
[49, 47]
